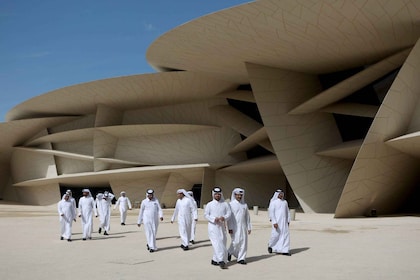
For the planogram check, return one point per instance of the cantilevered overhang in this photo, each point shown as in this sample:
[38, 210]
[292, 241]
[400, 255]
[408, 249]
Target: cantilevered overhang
[305, 36]
[15, 133]
[125, 93]
[263, 165]
[408, 144]
[120, 131]
[346, 150]
[103, 177]
[352, 84]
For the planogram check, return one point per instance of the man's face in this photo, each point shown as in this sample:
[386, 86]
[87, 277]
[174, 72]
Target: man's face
[281, 195]
[66, 197]
[85, 193]
[123, 194]
[238, 196]
[217, 196]
[150, 196]
[180, 195]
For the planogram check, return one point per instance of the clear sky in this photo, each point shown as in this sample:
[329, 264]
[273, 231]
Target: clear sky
[49, 44]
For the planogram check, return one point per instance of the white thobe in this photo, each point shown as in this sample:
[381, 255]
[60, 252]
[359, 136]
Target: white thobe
[240, 224]
[149, 214]
[86, 210]
[280, 239]
[104, 211]
[217, 231]
[73, 202]
[123, 204]
[67, 215]
[194, 221]
[185, 213]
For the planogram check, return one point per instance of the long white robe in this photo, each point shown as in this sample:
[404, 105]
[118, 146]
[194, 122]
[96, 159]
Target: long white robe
[280, 238]
[67, 215]
[86, 210]
[240, 224]
[217, 231]
[194, 221]
[185, 213]
[104, 211]
[149, 214]
[73, 202]
[123, 203]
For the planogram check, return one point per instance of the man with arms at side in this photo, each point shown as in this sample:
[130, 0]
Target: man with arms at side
[239, 226]
[185, 213]
[217, 212]
[280, 218]
[149, 215]
[86, 210]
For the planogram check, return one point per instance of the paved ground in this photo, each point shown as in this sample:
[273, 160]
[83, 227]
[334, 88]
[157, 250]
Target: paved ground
[322, 248]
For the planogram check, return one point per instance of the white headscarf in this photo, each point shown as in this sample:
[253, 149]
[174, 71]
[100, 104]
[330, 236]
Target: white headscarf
[276, 195]
[150, 191]
[99, 196]
[88, 191]
[236, 191]
[217, 190]
[186, 194]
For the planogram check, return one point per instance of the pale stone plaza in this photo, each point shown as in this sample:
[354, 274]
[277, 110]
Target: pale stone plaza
[322, 248]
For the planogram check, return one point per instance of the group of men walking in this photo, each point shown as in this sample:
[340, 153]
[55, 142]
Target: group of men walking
[223, 218]
[87, 207]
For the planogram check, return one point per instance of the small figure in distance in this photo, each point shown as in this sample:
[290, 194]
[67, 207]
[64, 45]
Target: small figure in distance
[123, 203]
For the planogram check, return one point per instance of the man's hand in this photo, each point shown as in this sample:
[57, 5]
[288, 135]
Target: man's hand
[138, 225]
[275, 225]
[161, 219]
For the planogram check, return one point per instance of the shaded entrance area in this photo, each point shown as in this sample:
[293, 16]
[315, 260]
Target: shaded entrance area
[77, 191]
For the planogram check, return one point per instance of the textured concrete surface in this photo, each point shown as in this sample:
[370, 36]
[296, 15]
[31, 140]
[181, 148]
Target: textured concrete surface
[322, 248]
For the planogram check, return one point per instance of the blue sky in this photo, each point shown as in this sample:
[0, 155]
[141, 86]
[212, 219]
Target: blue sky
[49, 44]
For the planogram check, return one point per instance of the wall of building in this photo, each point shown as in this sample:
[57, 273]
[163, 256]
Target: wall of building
[316, 181]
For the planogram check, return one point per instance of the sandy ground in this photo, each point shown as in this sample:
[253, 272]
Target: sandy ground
[322, 248]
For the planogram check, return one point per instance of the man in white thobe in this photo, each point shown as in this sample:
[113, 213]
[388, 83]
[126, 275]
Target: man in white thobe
[280, 218]
[67, 216]
[86, 210]
[149, 215]
[123, 203]
[103, 203]
[73, 201]
[185, 213]
[194, 221]
[217, 212]
[239, 226]
[273, 198]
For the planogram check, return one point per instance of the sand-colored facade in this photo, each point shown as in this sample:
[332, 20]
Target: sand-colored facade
[318, 97]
